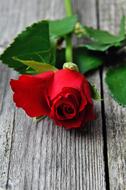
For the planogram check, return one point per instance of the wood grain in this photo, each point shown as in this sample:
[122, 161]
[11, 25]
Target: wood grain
[6, 126]
[43, 156]
[110, 13]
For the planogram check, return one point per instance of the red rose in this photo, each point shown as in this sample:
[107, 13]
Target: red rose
[63, 95]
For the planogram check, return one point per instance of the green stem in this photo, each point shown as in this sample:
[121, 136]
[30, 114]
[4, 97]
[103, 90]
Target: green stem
[68, 51]
[68, 7]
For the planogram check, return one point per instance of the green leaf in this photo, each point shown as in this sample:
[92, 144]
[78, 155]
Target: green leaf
[122, 26]
[116, 81]
[37, 43]
[37, 66]
[95, 93]
[31, 44]
[61, 27]
[100, 40]
[102, 36]
[96, 46]
[85, 59]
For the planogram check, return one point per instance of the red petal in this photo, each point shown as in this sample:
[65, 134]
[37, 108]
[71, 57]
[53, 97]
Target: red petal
[66, 78]
[89, 114]
[85, 116]
[30, 93]
[70, 123]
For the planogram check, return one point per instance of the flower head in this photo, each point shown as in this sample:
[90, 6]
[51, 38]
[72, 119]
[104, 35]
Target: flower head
[63, 95]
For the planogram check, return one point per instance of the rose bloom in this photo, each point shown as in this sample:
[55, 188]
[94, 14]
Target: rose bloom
[63, 95]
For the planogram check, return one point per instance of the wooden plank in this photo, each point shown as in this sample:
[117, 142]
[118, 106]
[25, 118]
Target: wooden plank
[44, 156]
[11, 22]
[6, 125]
[110, 13]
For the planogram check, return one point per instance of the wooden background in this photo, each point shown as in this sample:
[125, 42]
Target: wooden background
[43, 156]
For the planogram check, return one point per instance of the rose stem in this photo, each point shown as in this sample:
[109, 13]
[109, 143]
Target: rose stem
[68, 50]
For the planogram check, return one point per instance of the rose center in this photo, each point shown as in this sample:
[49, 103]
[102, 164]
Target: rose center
[60, 111]
[68, 109]
[65, 106]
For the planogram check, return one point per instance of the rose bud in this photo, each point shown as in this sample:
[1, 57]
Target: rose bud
[63, 95]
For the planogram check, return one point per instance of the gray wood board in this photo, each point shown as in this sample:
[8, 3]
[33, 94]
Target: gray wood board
[44, 156]
[110, 13]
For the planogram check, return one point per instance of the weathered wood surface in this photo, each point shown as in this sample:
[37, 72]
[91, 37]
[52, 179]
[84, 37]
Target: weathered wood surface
[43, 156]
[110, 13]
